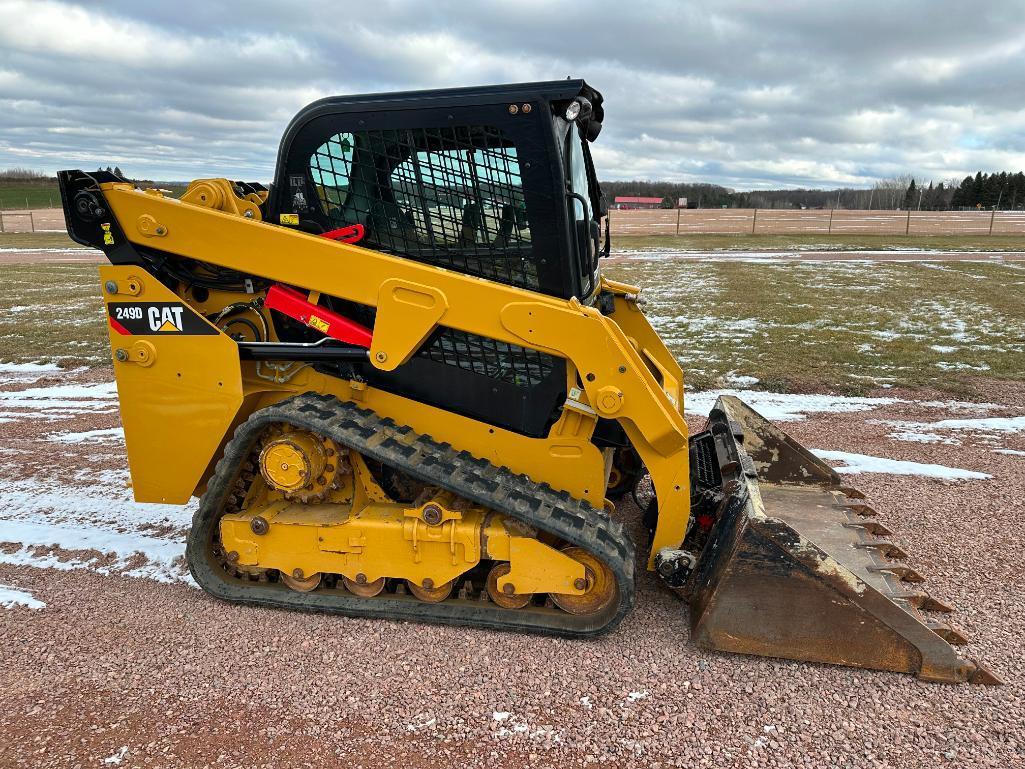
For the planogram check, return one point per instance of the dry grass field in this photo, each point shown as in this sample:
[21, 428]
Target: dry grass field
[840, 222]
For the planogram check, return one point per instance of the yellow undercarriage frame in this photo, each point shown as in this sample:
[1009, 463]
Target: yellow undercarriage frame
[181, 395]
[357, 532]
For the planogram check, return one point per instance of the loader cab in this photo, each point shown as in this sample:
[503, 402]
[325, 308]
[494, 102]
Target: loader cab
[495, 182]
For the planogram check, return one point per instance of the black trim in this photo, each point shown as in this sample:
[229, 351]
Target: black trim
[310, 353]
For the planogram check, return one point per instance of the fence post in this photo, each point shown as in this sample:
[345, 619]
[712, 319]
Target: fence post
[829, 229]
[754, 222]
[677, 221]
[991, 218]
[1, 220]
[907, 227]
[32, 220]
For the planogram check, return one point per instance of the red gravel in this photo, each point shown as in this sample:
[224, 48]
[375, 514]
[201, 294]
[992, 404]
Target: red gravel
[182, 680]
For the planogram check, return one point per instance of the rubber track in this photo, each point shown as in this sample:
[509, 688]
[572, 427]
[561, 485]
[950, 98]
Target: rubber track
[497, 488]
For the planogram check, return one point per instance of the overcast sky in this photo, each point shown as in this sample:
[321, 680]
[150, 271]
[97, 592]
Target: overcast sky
[746, 94]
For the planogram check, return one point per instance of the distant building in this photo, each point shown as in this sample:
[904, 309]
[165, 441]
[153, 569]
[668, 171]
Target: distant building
[627, 202]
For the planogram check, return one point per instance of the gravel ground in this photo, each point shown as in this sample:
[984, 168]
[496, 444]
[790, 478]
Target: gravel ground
[133, 672]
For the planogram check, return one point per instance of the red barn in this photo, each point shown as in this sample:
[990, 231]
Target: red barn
[627, 201]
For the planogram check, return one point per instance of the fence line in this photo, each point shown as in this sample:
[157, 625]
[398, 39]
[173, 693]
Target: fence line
[771, 221]
[31, 219]
[736, 221]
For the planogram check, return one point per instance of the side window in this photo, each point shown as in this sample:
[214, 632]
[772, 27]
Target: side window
[452, 197]
[330, 167]
[463, 198]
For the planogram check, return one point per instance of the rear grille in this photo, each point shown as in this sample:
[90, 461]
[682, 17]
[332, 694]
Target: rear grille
[489, 357]
[704, 461]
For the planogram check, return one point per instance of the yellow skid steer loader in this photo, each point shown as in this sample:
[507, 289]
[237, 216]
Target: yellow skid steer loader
[403, 389]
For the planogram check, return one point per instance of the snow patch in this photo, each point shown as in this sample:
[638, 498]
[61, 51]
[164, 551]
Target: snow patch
[1009, 452]
[741, 380]
[57, 527]
[90, 436]
[11, 597]
[118, 757]
[864, 463]
[62, 399]
[26, 372]
[785, 407]
[1000, 424]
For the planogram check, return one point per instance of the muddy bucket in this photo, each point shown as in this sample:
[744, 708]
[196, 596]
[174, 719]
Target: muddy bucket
[794, 565]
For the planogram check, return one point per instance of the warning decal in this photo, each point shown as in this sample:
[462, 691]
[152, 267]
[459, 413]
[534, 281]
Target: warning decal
[156, 319]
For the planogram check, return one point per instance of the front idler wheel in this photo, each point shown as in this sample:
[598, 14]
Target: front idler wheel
[600, 588]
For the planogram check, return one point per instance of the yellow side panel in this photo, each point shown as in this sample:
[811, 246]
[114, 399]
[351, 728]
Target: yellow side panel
[178, 380]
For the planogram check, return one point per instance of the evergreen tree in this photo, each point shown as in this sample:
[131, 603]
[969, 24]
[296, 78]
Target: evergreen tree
[909, 196]
[978, 189]
[117, 172]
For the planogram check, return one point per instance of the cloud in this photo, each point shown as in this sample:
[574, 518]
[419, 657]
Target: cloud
[742, 93]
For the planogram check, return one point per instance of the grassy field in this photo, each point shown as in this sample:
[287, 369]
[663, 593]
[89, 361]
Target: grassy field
[36, 240]
[29, 195]
[797, 242]
[52, 313]
[712, 243]
[45, 194]
[840, 326]
[848, 327]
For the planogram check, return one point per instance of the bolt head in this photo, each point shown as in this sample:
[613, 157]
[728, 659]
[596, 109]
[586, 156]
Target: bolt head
[361, 579]
[297, 573]
[381, 357]
[428, 583]
[259, 525]
[509, 588]
[111, 286]
[121, 355]
[432, 515]
[580, 583]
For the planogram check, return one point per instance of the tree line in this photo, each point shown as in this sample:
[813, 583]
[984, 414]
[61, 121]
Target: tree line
[1004, 190]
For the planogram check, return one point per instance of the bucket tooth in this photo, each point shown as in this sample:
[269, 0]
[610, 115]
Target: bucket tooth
[790, 569]
[982, 675]
[871, 527]
[863, 509]
[947, 633]
[924, 602]
[903, 573]
[885, 549]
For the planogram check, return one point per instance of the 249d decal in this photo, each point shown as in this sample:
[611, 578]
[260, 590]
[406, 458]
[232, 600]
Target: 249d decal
[156, 319]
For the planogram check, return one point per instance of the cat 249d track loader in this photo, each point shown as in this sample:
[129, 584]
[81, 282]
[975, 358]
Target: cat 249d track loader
[403, 389]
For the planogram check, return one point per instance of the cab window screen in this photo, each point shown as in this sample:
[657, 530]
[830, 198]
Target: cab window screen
[446, 196]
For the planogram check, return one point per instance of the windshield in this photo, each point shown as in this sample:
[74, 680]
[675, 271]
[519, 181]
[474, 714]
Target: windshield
[578, 181]
[585, 222]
